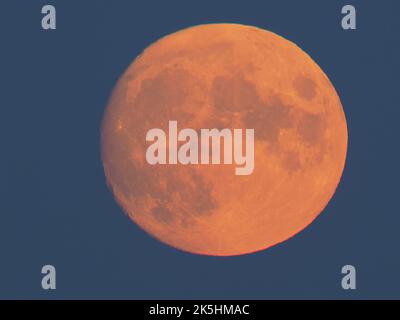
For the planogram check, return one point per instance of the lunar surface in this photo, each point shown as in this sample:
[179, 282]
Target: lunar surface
[225, 76]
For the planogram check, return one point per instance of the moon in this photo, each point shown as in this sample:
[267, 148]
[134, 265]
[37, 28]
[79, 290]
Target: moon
[225, 76]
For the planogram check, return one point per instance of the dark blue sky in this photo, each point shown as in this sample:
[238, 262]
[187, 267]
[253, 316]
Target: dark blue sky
[56, 209]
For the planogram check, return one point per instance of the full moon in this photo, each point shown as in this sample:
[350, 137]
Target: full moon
[225, 76]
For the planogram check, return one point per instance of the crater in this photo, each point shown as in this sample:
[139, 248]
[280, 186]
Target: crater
[234, 94]
[193, 190]
[291, 161]
[166, 95]
[305, 87]
[268, 119]
[163, 214]
[311, 128]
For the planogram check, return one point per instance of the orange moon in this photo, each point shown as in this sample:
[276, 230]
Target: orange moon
[225, 76]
